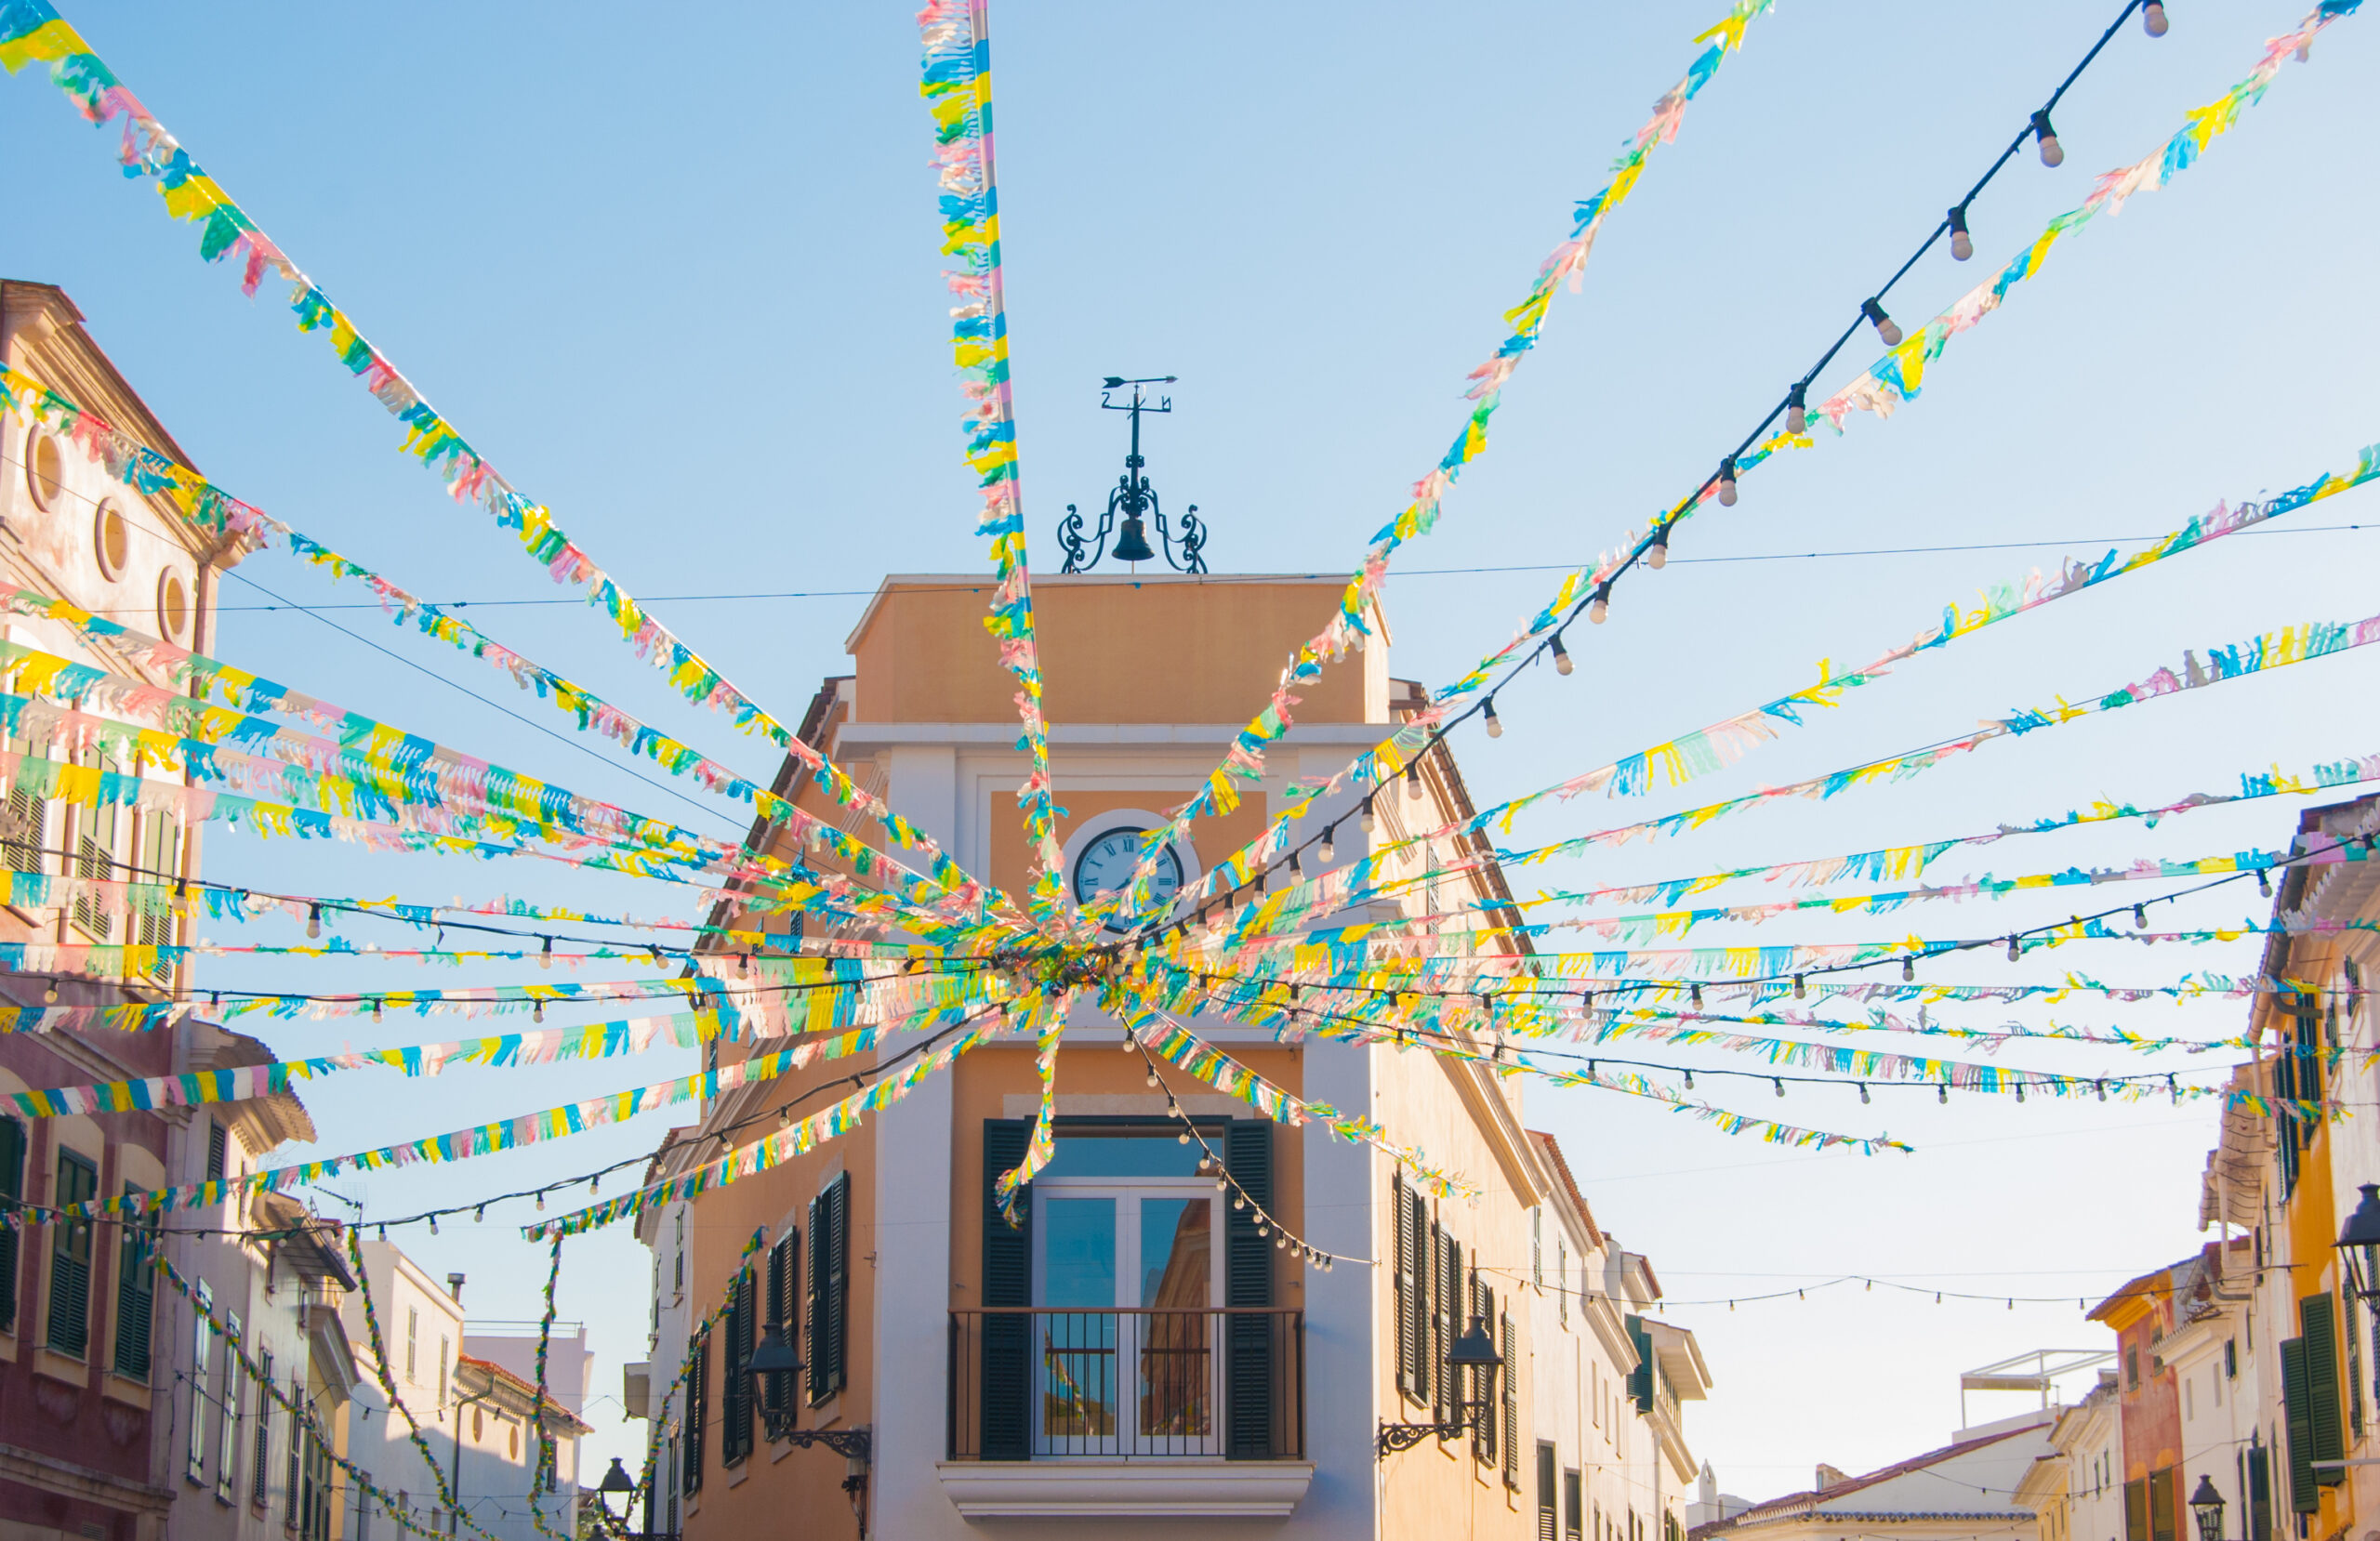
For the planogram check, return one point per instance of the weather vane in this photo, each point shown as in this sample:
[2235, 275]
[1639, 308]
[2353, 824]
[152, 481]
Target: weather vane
[1135, 502]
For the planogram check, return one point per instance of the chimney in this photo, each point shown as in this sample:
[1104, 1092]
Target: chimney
[1830, 1477]
[454, 1287]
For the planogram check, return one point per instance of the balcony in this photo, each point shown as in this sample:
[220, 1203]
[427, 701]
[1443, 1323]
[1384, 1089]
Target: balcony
[1155, 1411]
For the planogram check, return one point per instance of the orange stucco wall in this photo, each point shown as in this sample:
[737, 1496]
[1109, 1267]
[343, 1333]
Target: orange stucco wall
[1163, 650]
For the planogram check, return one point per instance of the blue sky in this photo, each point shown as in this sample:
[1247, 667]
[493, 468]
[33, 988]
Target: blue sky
[677, 279]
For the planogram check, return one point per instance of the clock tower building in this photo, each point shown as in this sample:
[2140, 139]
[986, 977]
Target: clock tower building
[1133, 1357]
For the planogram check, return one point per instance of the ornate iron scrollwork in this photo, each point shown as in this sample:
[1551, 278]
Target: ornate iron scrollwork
[1133, 504]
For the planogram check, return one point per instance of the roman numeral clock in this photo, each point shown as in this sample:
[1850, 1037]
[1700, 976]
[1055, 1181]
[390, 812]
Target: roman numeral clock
[1105, 862]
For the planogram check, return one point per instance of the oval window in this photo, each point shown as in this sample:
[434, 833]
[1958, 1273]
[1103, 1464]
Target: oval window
[111, 539]
[172, 605]
[45, 468]
[512, 1444]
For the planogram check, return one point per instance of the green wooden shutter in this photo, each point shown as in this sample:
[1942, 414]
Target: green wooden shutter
[12, 1189]
[2135, 1511]
[1424, 1243]
[1401, 1215]
[1006, 1385]
[1512, 1381]
[70, 1259]
[2318, 1326]
[135, 1297]
[2259, 1493]
[784, 1266]
[2305, 1497]
[1547, 1516]
[697, 1400]
[1475, 1388]
[838, 1280]
[736, 1385]
[1248, 1281]
[2161, 1509]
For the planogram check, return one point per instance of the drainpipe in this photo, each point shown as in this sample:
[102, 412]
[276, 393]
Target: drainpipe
[454, 1510]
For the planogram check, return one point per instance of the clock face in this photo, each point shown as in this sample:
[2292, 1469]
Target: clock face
[1105, 865]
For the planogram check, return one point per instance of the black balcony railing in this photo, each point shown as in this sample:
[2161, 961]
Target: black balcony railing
[1042, 1383]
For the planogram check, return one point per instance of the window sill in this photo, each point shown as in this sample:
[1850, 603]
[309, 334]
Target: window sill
[1203, 1489]
[52, 1366]
[123, 1389]
[738, 1474]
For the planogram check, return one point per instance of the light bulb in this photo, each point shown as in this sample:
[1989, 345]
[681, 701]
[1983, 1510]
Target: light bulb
[376, 1009]
[1328, 848]
[1599, 608]
[313, 920]
[1886, 328]
[1152, 1079]
[1296, 864]
[1800, 990]
[537, 1011]
[1696, 995]
[1656, 556]
[1797, 409]
[1562, 664]
[433, 1225]
[1908, 971]
[49, 994]
[1780, 1086]
[1413, 782]
[2015, 952]
[1728, 482]
[1363, 820]
[1863, 1094]
[784, 1116]
[1181, 1140]
[1962, 244]
[1495, 723]
[2140, 916]
[2046, 138]
[546, 957]
[2101, 1086]
[1689, 1080]
[1943, 1094]
[2264, 882]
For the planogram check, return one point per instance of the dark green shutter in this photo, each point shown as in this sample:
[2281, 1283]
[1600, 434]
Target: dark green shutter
[2305, 1497]
[838, 1279]
[1422, 1241]
[2317, 1325]
[697, 1400]
[135, 1286]
[2135, 1511]
[736, 1385]
[12, 1188]
[1401, 1215]
[785, 1265]
[70, 1259]
[1007, 1385]
[2259, 1493]
[1547, 1518]
[2161, 1508]
[1248, 1281]
[828, 1326]
[1640, 1379]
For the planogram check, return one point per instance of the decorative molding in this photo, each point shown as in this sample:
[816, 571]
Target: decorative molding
[1137, 1490]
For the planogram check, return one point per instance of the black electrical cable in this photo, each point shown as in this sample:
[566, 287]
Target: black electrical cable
[1659, 534]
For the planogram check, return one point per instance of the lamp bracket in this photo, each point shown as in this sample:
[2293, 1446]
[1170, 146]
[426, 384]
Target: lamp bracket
[851, 1444]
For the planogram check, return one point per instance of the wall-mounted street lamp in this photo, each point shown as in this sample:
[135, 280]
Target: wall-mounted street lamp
[1473, 1350]
[2358, 1247]
[2206, 1508]
[773, 1358]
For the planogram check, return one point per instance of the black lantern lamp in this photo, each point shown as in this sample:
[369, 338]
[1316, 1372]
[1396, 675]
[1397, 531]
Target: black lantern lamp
[617, 1485]
[1473, 1350]
[2206, 1508]
[2358, 1247]
[2361, 1242]
[772, 1365]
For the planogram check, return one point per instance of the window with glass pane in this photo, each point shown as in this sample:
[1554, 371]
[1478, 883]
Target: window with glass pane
[1127, 1277]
